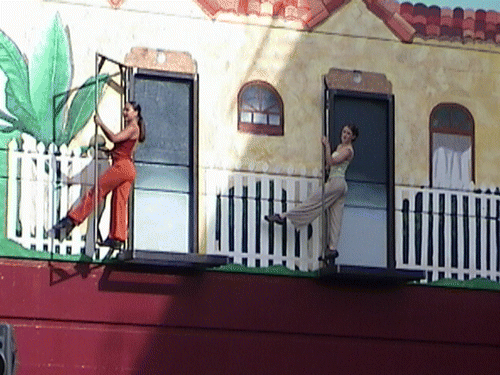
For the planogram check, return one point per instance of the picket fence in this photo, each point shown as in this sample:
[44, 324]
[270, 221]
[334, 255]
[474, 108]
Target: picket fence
[236, 203]
[448, 233]
[43, 183]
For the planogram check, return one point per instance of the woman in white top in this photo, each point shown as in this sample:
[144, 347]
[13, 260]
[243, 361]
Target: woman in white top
[335, 192]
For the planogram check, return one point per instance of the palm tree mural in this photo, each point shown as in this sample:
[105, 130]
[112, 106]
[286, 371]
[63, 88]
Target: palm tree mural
[37, 91]
[40, 102]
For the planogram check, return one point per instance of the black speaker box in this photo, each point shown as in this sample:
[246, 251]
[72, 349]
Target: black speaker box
[7, 350]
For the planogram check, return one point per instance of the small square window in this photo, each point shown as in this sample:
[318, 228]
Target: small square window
[274, 120]
[246, 117]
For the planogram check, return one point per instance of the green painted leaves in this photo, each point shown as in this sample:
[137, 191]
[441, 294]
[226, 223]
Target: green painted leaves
[81, 108]
[37, 96]
[50, 78]
[18, 101]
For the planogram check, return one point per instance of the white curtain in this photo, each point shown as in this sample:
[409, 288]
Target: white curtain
[451, 161]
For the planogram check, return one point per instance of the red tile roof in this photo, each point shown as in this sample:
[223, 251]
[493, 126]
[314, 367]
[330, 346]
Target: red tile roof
[405, 20]
[115, 3]
[452, 24]
[309, 12]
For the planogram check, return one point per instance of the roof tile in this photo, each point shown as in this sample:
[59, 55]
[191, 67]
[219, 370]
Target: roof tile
[456, 24]
[405, 20]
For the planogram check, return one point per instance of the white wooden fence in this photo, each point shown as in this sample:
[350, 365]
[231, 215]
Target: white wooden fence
[236, 205]
[43, 183]
[446, 233]
[451, 234]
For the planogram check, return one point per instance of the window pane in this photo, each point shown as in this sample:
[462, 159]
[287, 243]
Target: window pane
[260, 118]
[247, 107]
[460, 120]
[249, 93]
[274, 109]
[268, 100]
[274, 120]
[168, 132]
[452, 117]
[246, 117]
[250, 98]
[441, 118]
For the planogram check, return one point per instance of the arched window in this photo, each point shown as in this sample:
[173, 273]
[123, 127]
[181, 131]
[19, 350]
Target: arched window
[451, 146]
[260, 109]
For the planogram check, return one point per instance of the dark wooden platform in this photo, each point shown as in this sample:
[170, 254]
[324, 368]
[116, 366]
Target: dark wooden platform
[341, 272]
[165, 259]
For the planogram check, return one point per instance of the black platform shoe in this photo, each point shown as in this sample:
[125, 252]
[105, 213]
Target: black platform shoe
[329, 257]
[275, 219]
[62, 229]
[114, 244]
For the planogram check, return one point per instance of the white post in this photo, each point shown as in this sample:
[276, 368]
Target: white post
[252, 209]
[52, 183]
[40, 194]
[12, 192]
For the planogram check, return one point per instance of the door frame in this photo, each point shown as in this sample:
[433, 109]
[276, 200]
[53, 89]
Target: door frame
[193, 234]
[328, 92]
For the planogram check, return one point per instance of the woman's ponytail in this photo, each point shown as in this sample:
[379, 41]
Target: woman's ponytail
[141, 122]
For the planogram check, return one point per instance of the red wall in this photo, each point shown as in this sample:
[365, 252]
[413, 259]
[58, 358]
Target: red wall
[71, 320]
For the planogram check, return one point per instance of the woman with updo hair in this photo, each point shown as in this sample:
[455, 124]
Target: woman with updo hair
[332, 198]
